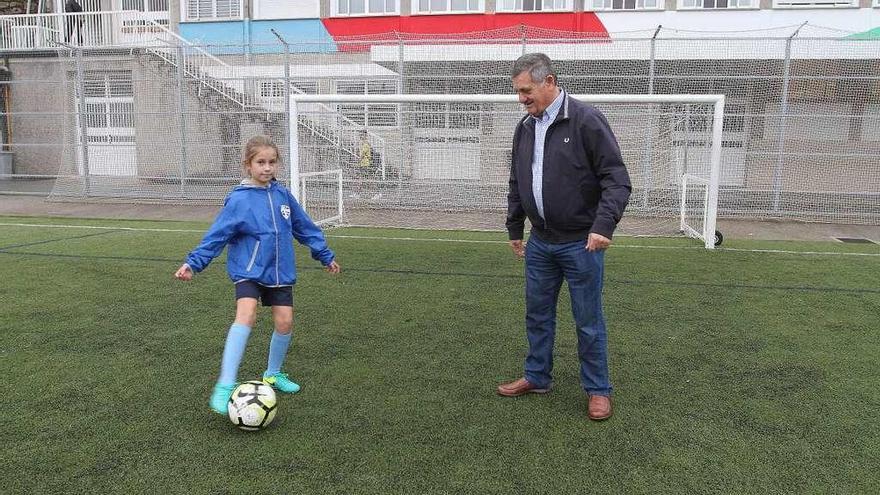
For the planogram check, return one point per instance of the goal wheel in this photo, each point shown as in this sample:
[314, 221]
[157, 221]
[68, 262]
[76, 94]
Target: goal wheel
[718, 238]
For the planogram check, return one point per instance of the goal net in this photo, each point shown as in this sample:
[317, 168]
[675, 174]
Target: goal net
[443, 161]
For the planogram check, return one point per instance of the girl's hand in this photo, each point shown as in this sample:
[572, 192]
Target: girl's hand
[333, 267]
[184, 273]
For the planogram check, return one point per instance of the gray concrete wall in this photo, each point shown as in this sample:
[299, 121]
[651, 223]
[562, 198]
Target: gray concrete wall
[40, 121]
[44, 126]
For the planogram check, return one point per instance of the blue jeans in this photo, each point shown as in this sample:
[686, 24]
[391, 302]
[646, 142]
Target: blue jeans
[546, 267]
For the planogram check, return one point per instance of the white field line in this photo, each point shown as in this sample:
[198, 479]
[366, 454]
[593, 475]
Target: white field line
[463, 241]
[97, 227]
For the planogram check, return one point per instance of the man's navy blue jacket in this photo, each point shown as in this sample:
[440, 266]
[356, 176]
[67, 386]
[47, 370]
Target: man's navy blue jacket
[586, 186]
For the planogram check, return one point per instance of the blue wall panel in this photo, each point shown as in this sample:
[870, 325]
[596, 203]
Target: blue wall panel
[304, 34]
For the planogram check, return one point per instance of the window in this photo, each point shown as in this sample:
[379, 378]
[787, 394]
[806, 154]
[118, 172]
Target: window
[145, 5]
[532, 5]
[274, 88]
[108, 106]
[376, 114]
[364, 7]
[813, 4]
[304, 87]
[271, 89]
[154, 10]
[446, 6]
[447, 115]
[213, 9]
[717, 4]
[110, 84]
[627, 4]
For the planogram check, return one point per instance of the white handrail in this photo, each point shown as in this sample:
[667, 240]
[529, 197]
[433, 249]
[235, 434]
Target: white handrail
[88, 29]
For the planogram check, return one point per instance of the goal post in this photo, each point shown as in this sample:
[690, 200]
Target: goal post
[441, 161]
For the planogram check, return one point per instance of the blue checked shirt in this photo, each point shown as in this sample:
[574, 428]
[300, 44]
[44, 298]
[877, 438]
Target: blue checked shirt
[542, 123]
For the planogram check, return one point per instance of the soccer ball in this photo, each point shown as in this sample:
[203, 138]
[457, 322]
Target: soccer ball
[252, 405]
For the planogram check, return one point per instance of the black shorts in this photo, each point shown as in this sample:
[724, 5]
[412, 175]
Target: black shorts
[271, 296]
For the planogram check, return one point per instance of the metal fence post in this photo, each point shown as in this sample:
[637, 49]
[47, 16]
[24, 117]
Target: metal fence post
[82, 116]
[181, 107]
[401, 68]
[286, 97]
[783, 110]
[652, 62]
[293, 142]
[287, 102]
[649, 142]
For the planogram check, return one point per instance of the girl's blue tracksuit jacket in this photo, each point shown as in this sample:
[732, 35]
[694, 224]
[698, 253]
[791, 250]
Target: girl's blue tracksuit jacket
[259, 225]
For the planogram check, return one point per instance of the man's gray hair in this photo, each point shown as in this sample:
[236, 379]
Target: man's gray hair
[537, 65]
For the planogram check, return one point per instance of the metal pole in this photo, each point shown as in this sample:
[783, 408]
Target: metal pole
[246, 5]
[651, 65]
[293, 140]
[82, 115]
[783, 109]
[649, 144]
[181, 107]
[286, 95]
[401, 88]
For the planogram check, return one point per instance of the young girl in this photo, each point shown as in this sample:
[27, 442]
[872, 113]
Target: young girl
[259, 220]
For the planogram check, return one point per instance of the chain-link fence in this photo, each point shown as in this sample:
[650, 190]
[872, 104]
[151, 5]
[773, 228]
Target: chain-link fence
[166, 122]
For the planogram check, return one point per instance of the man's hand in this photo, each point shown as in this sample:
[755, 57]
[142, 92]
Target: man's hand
[333, 267]
[519, 249]
[597, 242]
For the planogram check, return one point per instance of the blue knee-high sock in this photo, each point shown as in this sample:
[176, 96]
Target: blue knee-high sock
[277, 351]
[236, 340]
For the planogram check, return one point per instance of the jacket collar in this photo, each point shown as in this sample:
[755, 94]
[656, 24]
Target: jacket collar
[247, 183]
[561, 115]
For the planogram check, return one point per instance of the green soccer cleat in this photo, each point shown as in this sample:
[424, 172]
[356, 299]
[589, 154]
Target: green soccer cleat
[220, 398]
[280, 382]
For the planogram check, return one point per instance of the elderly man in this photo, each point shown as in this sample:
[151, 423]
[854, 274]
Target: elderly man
[568, 178]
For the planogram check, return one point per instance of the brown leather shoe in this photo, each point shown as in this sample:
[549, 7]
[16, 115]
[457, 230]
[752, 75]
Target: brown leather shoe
[599, 407]
[520, 387]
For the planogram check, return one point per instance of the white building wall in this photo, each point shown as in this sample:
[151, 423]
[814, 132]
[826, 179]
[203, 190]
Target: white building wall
[287, 9]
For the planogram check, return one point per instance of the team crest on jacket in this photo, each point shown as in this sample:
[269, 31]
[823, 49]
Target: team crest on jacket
[285, 212]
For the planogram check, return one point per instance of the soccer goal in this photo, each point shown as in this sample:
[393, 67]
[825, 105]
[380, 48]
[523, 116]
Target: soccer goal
[443, 161]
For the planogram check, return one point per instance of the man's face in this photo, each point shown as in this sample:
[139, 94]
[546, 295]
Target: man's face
[535, 96]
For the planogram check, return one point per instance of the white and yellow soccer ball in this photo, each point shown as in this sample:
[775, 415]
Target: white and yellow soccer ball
[252, 405]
